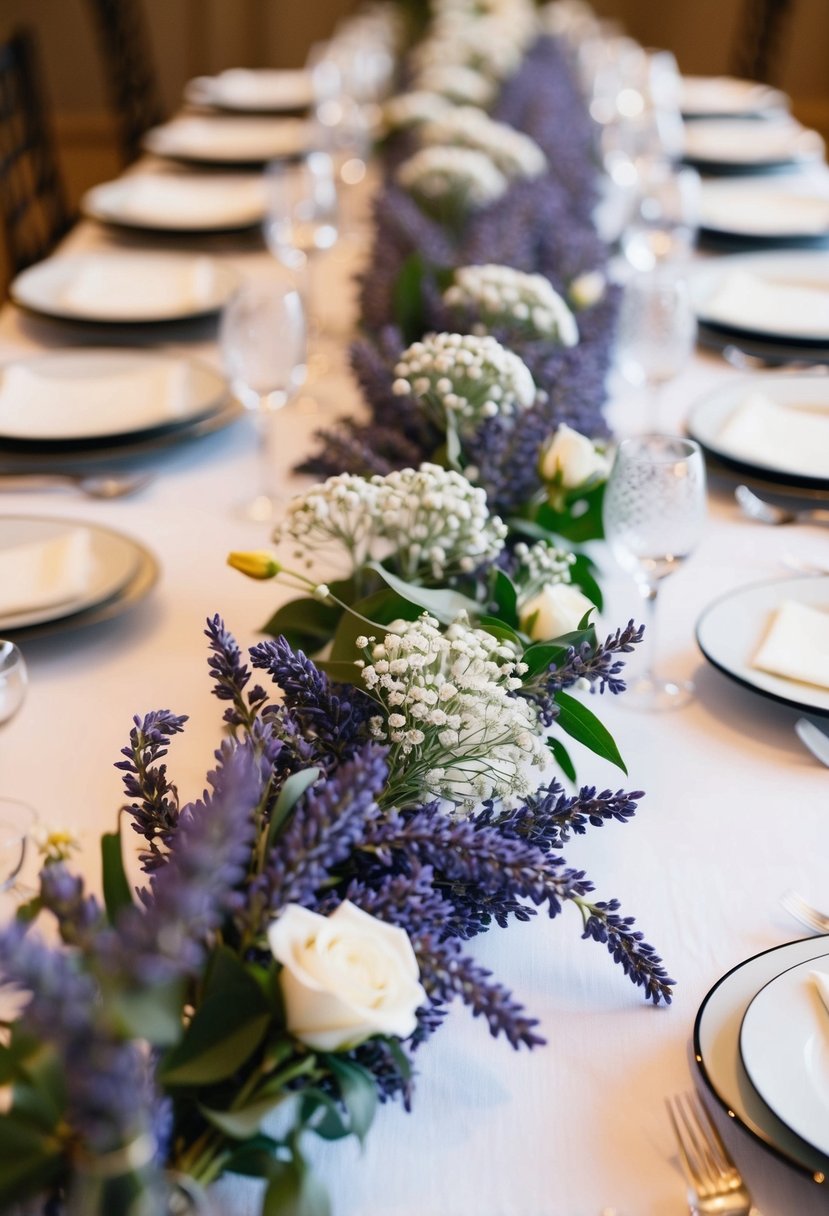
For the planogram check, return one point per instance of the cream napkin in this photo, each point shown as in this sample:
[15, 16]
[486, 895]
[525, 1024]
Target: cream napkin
[751, 302]
[138, 287]
[35, 404]
[41, 574]
[764, 212]
[266, 88]
[152, 198]
[797, 645]
[787, 437]
[747, 142]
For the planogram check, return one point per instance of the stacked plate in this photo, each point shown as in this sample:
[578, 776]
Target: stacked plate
[183, 202]
[728, 97]
[761, 1042]
[746, 215]
[57, 574]
[731, 146]
[253, 91]
[232, 142]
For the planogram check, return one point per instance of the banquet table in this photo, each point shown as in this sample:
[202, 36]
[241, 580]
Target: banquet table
[735, 812]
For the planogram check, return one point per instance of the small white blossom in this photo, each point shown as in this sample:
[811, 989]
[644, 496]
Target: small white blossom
[456, 83]
[469, 378]
[425, 104]
[462, 177]
[503, 296]
[539, 565]
[513, 152]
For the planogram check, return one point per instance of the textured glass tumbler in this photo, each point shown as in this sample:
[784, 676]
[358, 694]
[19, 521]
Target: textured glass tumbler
[654, 510]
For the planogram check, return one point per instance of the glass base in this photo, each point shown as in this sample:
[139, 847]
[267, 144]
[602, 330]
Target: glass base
[652, 695]
[263, 509]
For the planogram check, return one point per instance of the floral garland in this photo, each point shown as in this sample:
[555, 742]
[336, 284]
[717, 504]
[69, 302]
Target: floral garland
[303, 927]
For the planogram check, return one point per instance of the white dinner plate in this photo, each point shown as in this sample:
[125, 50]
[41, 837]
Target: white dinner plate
[80, 396]
[784, 1044]
[209, 140]
[115, 559]
[727, 96]
[179, 203]
[717, 1053]
[801, 394]
[726, 145]
[730, 631]
[756, 211]
[781, 296]
[125, 288]
[253, 90]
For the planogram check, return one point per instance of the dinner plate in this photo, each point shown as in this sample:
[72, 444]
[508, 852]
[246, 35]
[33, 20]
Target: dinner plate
[125, 288]
[253, 91]
[69, 399]
[727, 97]
[784, 1045]
[709, 418]
[157, 202]
[114, 561]
[730, 632]
[716, 1051]
[722, 145]
[762, 214]
[782, 297]
[230, 141]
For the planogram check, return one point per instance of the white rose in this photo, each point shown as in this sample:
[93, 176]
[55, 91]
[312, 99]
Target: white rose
[345, 977]
[587, 289]
[572, 459]
[558, 608]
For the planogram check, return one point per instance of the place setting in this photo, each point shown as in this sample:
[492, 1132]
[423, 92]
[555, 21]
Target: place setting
[253, 91]
[728, 97]
[179, 203]
[759, 215]
[757, 145]
[215, 141]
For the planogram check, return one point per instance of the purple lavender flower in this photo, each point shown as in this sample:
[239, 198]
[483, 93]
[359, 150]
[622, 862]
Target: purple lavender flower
[155, 811]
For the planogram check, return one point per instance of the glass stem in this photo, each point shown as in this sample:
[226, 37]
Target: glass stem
[649, 593]
[266, 436]
[654, 420]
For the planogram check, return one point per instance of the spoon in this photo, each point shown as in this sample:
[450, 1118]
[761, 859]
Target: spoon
[767, 513]
[103, 485]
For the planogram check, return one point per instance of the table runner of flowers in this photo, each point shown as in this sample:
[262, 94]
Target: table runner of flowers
[302, 928]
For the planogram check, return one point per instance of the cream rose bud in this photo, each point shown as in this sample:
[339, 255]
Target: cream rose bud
[558, 608]
[345, 977]
[587, 289]
[571, 459]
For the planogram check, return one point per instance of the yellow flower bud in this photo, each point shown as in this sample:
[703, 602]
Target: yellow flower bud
[255, 564]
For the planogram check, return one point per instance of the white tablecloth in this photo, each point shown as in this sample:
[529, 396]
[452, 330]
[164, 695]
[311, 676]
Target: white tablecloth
[735, 813]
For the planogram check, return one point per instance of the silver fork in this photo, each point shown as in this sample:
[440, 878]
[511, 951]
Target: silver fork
[808, 916]
[715, 1187]
[763, 512]
[93, 485]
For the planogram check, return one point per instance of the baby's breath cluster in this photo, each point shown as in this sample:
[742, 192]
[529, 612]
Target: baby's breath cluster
[515, 154]
[463, 379]
[462, 85]
[412, 109]
[460, 179]
[503, 296]
[434, 522]
[540, 565]
[489, 38]
[454, 727]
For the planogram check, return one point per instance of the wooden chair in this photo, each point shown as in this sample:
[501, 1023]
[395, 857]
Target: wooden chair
[129, 70]
[760, 35]
[34, 212]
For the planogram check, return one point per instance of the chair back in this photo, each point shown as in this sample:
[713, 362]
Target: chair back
[34, 213]
[129, 70]
[761, 34]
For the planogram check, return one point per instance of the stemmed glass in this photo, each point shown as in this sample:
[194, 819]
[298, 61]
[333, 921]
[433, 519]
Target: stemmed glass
[657, 331]
[665, 219]
[654, 508]
[262, 340]
[16, 817]
[13, 680]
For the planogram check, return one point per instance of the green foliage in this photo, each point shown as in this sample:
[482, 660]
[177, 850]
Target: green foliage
[582, 724]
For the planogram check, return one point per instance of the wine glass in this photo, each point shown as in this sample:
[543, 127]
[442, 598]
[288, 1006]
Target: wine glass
[262, 341]
[657, 331]
[16, 822]
[13, 680]
[654, 508]
[665, 219]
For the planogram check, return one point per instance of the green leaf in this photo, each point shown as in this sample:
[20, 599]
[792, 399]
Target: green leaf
[305, 623]
[453, 444]
[117, 892]
[226, 1028]
[29, 1160]
[582, 724]
[243, 1123]
[407, 299]
[41, 1091]
[581, 573]
[154, 1014]
[320, 1114]
[506, 597]
[581, 518]
[562, 758]
[441, 602]
[339, 671]
[292, 790]
[358, 1091]
[540, 655]
[379, 608]
[504, 633]
[294, 1191]
[255, 1158]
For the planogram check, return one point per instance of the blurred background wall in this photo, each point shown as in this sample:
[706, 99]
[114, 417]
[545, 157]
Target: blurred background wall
[192, 37]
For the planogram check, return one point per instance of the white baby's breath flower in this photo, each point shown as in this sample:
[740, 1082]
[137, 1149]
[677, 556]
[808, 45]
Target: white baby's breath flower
[513, 152]
[455, 730]
[463, 379]
[410, 109]
[461, 178]
[539, 565]
[456, 83]
[513, 300]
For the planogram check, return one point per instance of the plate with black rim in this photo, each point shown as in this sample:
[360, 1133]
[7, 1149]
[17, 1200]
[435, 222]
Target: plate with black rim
[801, 393]
[716, 1040]
[721, 290]
[254, 91]
[762, 215]
[179, 203]
[728, 97]
[233, 142]
[730, 631]
[759, 145]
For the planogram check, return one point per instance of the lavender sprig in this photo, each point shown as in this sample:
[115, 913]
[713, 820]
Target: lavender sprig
[548, 818]
[628, 947]
[599, 664]
[231, 676]
[155, 810]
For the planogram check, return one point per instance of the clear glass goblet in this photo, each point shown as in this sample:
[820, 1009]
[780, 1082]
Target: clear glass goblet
[16, 822]
[665, 219]
[654, 510]
[13, 680]
[657, 332]
[263, 345]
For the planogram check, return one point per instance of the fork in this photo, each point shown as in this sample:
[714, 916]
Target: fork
[797, 907]
[715, 1186]
[93, 485]
[813, 739]
[763, 512]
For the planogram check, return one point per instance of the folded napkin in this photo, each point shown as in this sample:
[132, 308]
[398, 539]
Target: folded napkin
[783, 436]
[797, 645]
[264, 87]
[746, 142]
[152, 198]
[764, 212]
[139, 287]
[37, 404]
[42, 574]
[750, 302]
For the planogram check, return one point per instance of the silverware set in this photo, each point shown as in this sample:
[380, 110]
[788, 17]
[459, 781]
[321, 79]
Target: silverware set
[763, 512]
[93, 485]
[715, 1185]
